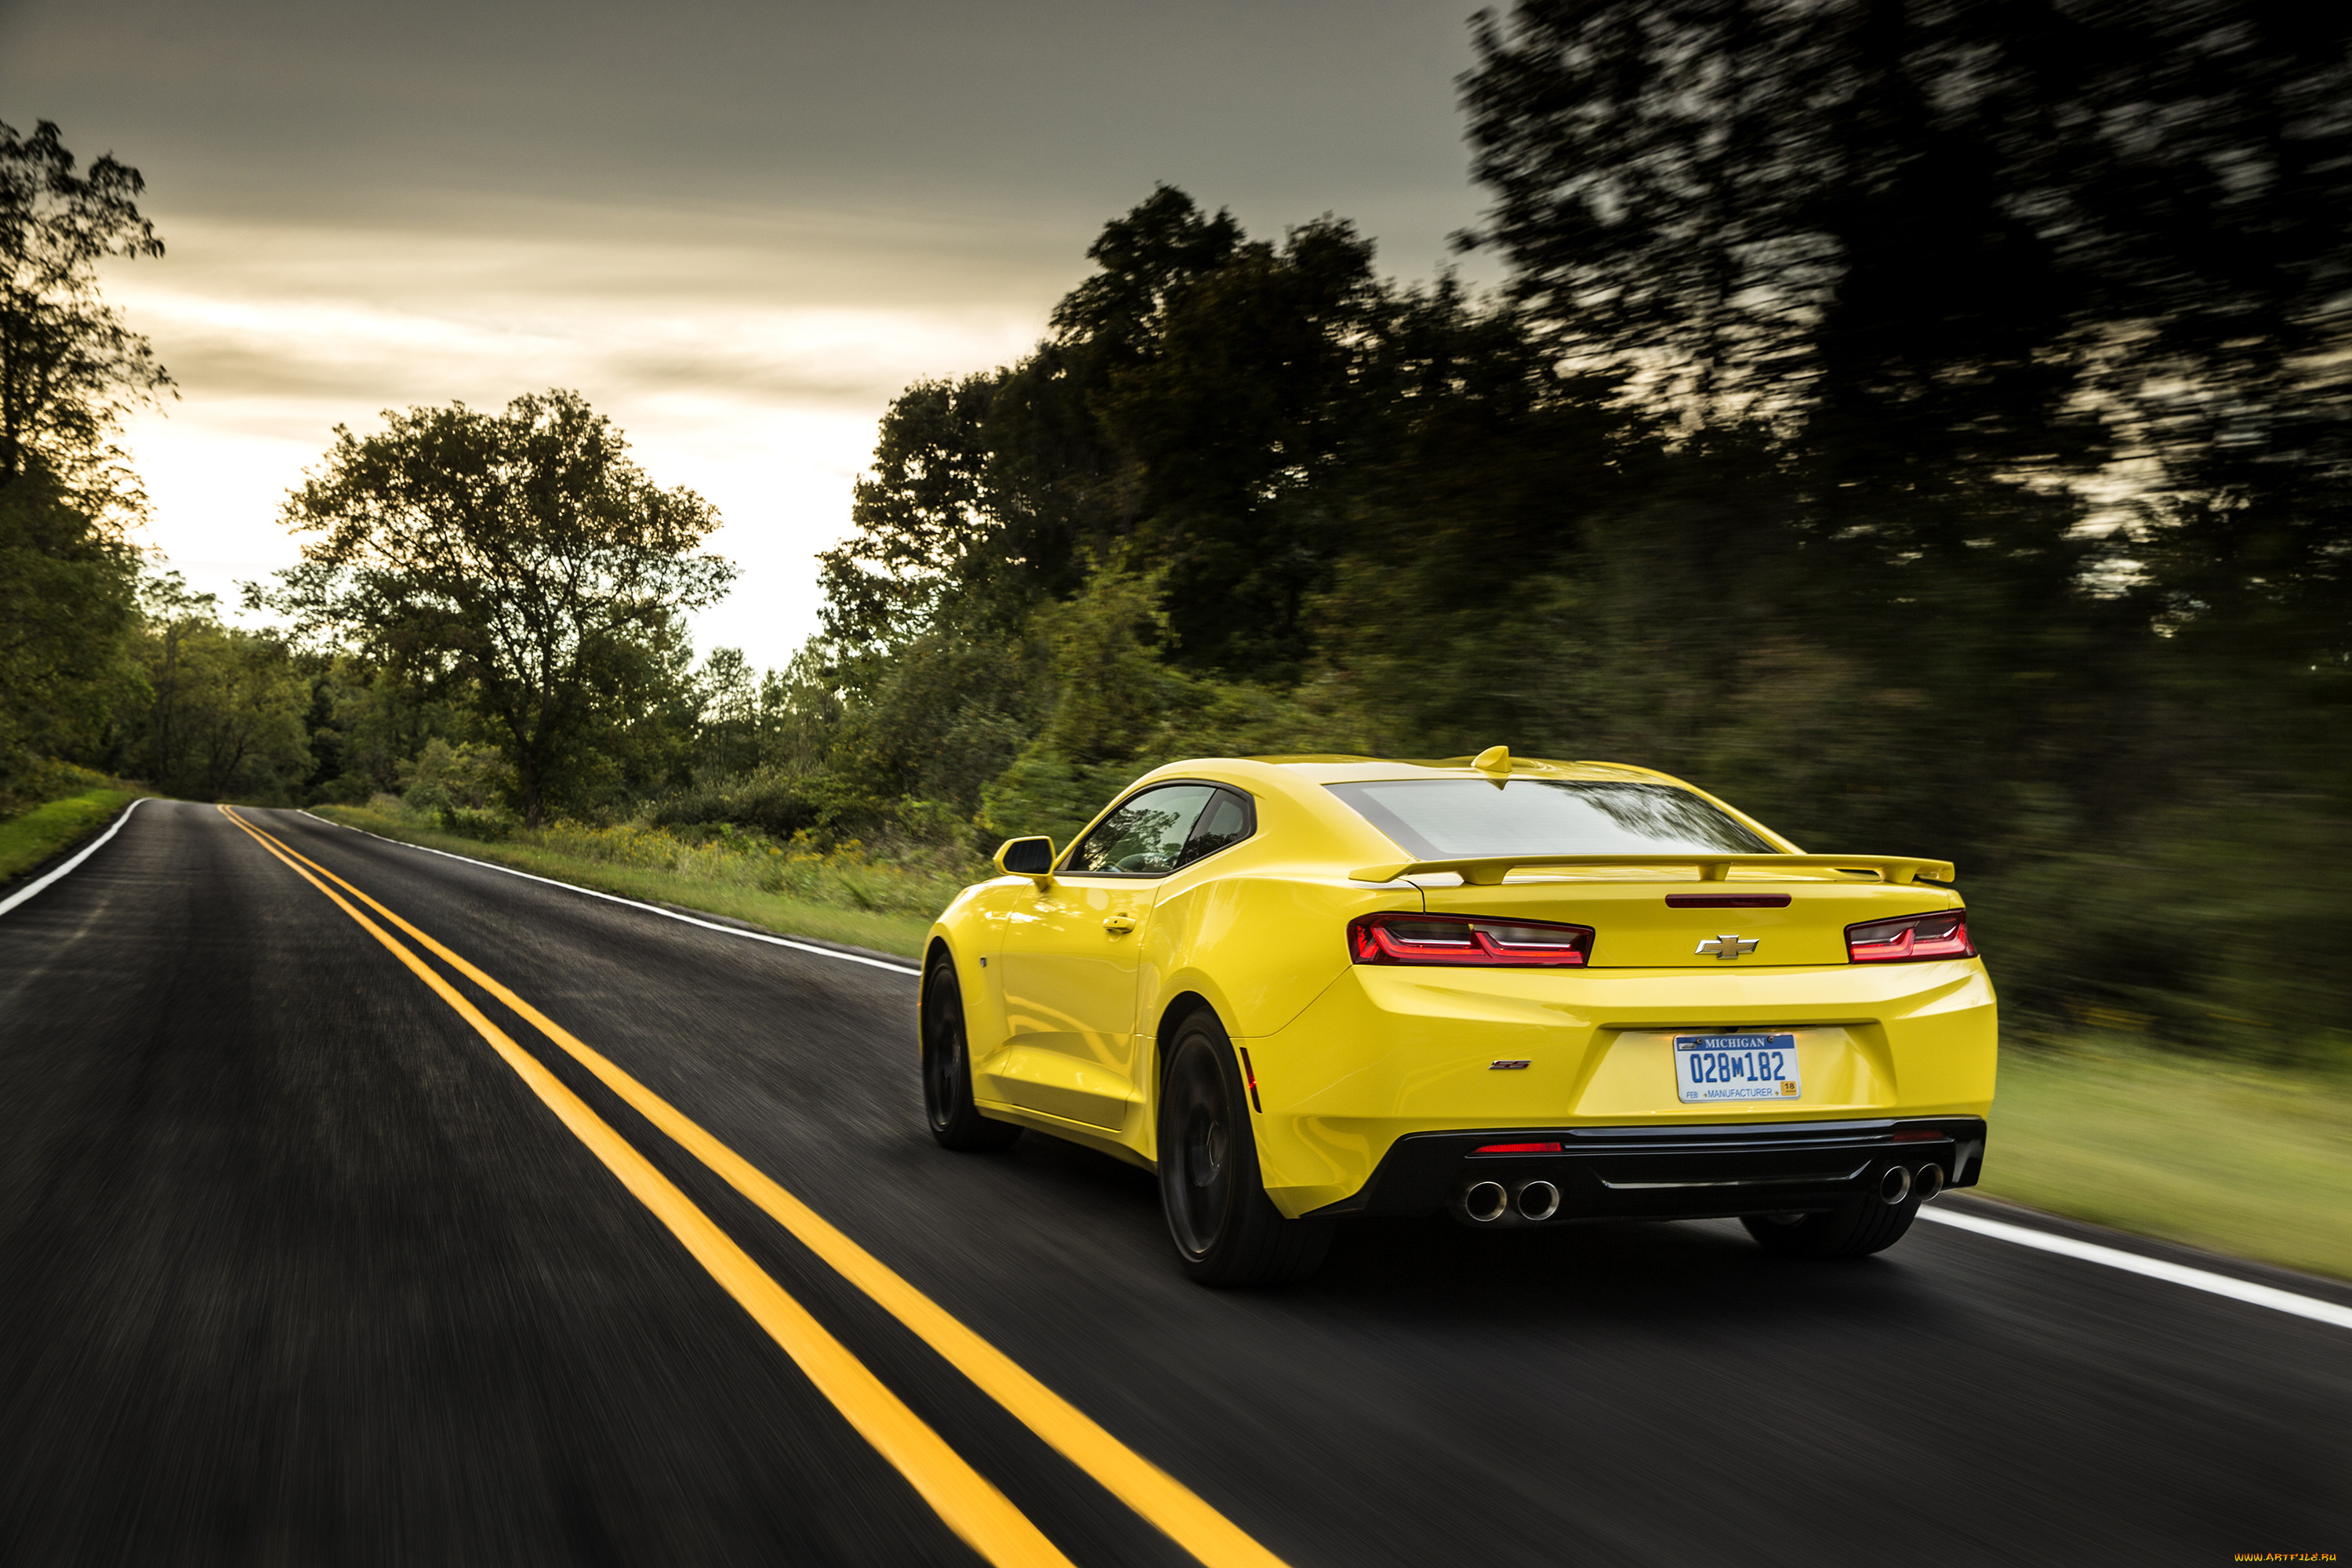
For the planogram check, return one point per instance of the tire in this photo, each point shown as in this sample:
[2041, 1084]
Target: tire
[1854, 1231]
[955, 1122]
[1226, 1231]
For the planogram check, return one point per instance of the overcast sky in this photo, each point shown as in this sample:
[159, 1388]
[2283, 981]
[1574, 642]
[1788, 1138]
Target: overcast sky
[738, 229]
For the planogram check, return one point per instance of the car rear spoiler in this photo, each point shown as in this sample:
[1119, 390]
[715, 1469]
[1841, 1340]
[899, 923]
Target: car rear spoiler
[1485, 871]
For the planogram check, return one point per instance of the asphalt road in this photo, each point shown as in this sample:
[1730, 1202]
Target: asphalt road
[296, 1269]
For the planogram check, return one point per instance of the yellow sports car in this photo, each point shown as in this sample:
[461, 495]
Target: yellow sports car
[1309, 988]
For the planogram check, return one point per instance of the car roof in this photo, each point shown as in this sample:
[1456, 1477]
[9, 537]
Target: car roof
[1300, 776]
[1338, 769]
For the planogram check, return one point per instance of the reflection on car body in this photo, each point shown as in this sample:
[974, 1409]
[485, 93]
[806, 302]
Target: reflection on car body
[1520, 992]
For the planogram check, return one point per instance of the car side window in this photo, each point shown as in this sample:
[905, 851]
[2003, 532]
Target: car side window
[1227, 820]
[1144, 837]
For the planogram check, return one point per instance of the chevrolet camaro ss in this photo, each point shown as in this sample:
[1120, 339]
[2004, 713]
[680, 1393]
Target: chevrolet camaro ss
[1523, 992]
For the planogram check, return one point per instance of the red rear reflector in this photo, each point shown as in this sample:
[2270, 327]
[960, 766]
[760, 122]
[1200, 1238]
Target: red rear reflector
[1727, 901]
[1915, 1136]
[1472, 941]
[1943, 934]
[1517, 1149]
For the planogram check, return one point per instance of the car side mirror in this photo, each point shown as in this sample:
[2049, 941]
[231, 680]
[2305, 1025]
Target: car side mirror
[1027, 858]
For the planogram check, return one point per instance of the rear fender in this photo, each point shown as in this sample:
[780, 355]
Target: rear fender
[1259, 947]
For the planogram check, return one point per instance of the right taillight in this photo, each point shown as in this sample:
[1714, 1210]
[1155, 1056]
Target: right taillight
[1943, 934]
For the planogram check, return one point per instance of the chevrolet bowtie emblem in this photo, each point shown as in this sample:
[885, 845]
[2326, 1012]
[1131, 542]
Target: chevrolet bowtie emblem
[1729, 946]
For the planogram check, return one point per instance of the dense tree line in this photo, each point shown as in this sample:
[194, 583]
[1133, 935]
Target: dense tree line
[105, 664]
[1924, 424]
[70, 365]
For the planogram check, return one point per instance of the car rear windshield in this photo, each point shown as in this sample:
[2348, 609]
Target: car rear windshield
[1461, 819]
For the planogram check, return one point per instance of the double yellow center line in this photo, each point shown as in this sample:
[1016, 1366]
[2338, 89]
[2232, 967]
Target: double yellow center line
[964, 1500]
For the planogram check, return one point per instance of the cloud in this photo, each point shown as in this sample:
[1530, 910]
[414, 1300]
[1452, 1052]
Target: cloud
[279, 333]
[739, 227]
[921, 102]
[384, 341]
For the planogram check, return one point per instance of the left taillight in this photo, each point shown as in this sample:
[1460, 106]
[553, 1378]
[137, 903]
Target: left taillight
[1943, 934]
[1468, 941]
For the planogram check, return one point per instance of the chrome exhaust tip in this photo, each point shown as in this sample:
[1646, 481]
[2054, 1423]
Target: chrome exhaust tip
[1485, 1201]
[1929, 1182]
[1538, 1200]
[1894, 1186]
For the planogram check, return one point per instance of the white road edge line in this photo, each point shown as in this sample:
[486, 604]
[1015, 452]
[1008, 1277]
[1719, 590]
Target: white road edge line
[2001, 1230]
[608, 898]
[92, 847]
[2245, 1290]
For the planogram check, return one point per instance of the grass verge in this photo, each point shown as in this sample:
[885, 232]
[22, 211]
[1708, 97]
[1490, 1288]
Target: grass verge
[2251, 1161]
[30, 838]
[881, 929]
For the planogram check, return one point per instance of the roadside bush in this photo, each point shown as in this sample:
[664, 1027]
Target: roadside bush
[30, 781]
[445, 778]
[764, 799]
[848, 875]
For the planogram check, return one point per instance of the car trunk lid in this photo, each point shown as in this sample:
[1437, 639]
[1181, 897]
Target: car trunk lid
[1643, 917]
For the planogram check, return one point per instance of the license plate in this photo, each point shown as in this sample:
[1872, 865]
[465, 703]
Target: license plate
[1736, 1067]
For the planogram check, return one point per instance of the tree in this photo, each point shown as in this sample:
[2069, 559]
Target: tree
[223, 706]
[1232, 425]
[1958, 241]
[2221, 197]
[1062, 487]
[1798, 211]
[66, 605]
[366, 722]
[519, 564]
[727, 735]
[70, 366]
[1182, 413]
[918, 519]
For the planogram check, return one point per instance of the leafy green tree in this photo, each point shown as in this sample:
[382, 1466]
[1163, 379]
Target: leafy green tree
[66, 608]
[70, 366]
[443, 780]
[1948, 245]
[1949, 261]
[1233, 426]
[800, 711]
[727, 734]
[1182, 419]
[919, 530]
[1113, 708]
[223, 708]
[1819, 213]
[1062, 488]
[933, 723]
[995, 490]
[518, 564]
[2218, 189]
[366, 721]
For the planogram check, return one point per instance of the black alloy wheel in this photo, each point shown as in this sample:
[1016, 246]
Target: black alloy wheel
[1226, 1231]
[955, 1121]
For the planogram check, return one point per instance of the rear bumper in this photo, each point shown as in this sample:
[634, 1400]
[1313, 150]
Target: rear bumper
[1386, 1054]
[1673, 1173]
